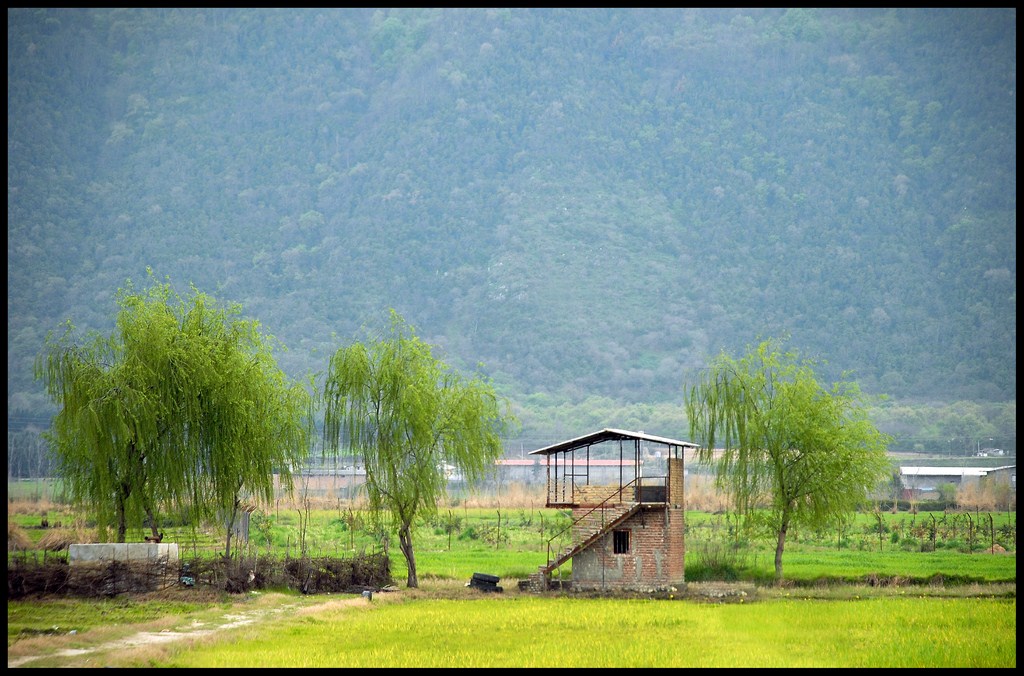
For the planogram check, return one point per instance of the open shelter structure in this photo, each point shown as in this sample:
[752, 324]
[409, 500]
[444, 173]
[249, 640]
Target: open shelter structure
[627, 534]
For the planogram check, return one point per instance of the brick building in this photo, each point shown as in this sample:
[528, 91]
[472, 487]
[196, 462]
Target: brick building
[626, 534]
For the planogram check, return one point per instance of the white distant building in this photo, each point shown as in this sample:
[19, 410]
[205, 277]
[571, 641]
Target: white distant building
[927, 479]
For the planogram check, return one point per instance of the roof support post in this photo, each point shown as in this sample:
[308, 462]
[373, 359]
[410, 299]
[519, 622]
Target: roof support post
[620, 470]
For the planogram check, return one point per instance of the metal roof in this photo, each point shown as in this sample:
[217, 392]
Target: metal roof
[951, 471]
[593, 462]
[608, 434]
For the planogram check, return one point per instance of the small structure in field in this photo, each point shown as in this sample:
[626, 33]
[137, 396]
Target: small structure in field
[119, 567]
[124, 552]
[627, 534]
[923, 482]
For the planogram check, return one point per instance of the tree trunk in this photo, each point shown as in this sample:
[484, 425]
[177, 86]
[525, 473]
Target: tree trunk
[122, 519]
[122, 525]
[405, 543]
[153, 526]
[231, 526]
[780, 546]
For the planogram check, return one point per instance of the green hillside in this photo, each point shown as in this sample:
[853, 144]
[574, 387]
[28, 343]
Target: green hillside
[589, 203]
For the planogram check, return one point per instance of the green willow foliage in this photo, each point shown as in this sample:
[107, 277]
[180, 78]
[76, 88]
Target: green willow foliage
[182, 408]
[411, 418]
[776, 436]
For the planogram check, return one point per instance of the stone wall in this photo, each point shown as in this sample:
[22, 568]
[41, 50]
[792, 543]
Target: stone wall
[125, 552]
[122, 567]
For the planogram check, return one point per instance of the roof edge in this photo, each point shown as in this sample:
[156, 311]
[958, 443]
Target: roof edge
[608, 434]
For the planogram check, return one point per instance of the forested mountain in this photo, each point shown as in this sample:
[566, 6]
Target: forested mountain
[585, 202]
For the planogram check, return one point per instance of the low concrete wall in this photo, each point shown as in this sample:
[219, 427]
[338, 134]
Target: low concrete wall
[123, 551]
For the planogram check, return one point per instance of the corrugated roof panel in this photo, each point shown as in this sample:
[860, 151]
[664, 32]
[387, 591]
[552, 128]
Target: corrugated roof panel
[608, 434]
[951, 471]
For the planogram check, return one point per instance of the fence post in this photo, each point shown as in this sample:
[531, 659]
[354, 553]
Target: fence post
[878, 515]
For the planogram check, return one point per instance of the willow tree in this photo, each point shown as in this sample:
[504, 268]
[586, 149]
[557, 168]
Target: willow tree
[181, 407]
[787, 450]
[409, 416]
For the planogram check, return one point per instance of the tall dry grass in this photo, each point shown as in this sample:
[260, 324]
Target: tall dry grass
[510, 496]
[27, 506]
[318, 493]
[987, 496]
[58, 539]
[17, 539]
[702, 495]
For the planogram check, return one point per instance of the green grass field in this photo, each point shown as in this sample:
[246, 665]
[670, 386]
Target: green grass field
[930, 606]
[512, 543]
[568, 632]
[468, 629]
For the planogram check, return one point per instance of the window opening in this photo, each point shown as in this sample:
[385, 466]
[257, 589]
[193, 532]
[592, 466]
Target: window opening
[620, 541]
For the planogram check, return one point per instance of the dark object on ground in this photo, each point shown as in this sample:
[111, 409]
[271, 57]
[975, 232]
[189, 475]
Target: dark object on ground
[485, 582]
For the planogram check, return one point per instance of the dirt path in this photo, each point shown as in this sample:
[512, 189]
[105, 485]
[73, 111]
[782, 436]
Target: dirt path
[92, 656]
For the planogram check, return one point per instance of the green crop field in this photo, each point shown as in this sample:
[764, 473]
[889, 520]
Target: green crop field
[887, 590]
[568, 632]
[561, 630]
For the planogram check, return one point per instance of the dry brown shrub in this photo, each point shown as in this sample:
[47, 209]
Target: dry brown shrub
[314, 503]
[41, 507]
[973, 496]
[17, 539]
[988, 495]
[58, 539]
[513, 496]
[320, 492]
[332, 492]
[702, 495]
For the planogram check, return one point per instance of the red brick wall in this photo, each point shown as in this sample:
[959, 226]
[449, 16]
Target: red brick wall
[656, 555]
[676, 522]
[643, 566]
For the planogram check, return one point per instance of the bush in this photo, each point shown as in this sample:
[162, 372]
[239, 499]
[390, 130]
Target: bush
[27, 575]
[910, 545]
[920, 506]
[715, 561]
[17, 538]
[58, 539]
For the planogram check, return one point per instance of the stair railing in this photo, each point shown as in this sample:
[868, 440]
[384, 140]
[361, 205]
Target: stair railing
[603, 506]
